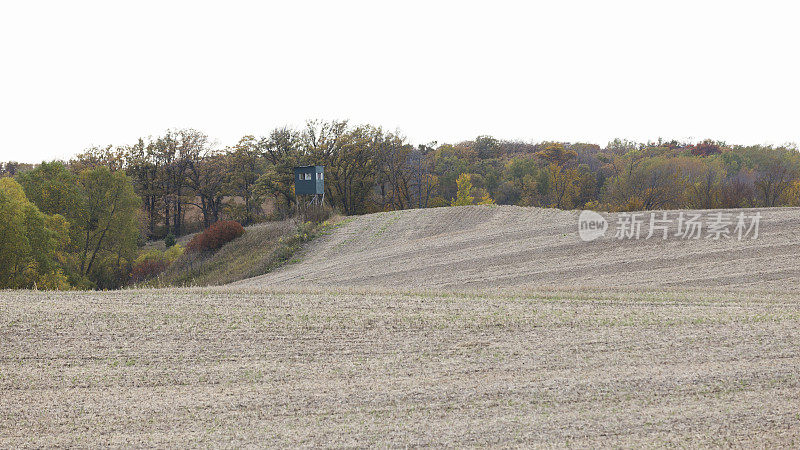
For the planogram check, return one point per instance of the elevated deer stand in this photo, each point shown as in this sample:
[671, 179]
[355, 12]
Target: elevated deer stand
[309, 187]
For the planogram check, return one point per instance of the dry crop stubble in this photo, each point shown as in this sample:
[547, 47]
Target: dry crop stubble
[514, 247]
[350, 366]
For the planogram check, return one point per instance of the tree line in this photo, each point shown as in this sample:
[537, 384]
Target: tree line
[92, 213]
[61, 229]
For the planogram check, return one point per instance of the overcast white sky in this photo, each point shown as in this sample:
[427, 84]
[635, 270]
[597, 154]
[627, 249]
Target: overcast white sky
[75, 74]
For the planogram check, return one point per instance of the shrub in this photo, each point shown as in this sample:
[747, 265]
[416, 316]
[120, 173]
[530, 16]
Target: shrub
[315, 213]
[169, 241]
[153, 262]
[168, 256]
[173, 253]
[438, 202]
[147, 269]
[216, 236]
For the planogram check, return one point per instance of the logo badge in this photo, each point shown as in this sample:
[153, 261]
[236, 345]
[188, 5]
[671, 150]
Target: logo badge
[591, 225]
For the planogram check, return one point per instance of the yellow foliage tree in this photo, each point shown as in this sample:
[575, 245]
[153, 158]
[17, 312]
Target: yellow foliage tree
[792, 195]
[30, 242]
[467, 194]
[464, 194]
[563, 186]
[485, 199]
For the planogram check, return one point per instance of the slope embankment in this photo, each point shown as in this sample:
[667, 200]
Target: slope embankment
[514, 247]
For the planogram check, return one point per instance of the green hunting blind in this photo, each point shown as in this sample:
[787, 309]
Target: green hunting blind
[310, 180]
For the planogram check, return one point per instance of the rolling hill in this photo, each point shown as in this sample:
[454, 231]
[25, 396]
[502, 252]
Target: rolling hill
[515, 247]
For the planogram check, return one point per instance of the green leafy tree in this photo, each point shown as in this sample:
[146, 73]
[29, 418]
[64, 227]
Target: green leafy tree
[283, 153]
[350, 157]
[450, 163]
[486, 147]
[30, 242]
[52, 188]
[108, 227]
[100, 213]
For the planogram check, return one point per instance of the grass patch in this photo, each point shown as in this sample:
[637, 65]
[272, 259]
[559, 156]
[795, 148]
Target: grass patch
[262, 248]
[394, 218]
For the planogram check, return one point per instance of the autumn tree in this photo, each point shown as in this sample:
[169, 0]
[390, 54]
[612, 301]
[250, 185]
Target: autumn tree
[487, 147]
[703, 187]
[53, 189]
[207, 178]
[738, 191]
[350, 160]
[113, 158]
[563, 183]
[145, 171]
[587, 186]
[449, 163]
[706, 148]
[514, 186]
[421, 177]
[31, 241]
[395, 173]
[164, 153]
[556, 153]
[774, 176]
[464, 194]
[107, 226]
[642, 182]
[246, 163]
[283, 150]
[792, 194]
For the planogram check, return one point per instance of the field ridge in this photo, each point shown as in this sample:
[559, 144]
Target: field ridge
[517, 247]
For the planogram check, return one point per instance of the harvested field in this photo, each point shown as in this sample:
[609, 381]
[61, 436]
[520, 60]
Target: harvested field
[237, 367]
[449, 327]
[513, 247]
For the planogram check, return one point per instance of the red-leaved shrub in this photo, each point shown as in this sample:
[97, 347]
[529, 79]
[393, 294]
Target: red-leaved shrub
[216, 236]
[147, 269]
[706, 148]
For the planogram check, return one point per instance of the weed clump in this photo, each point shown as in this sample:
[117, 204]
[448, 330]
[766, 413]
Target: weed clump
[315, 214]
[147, 269]
[153, 262]
[216, 236]
[169, 241]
